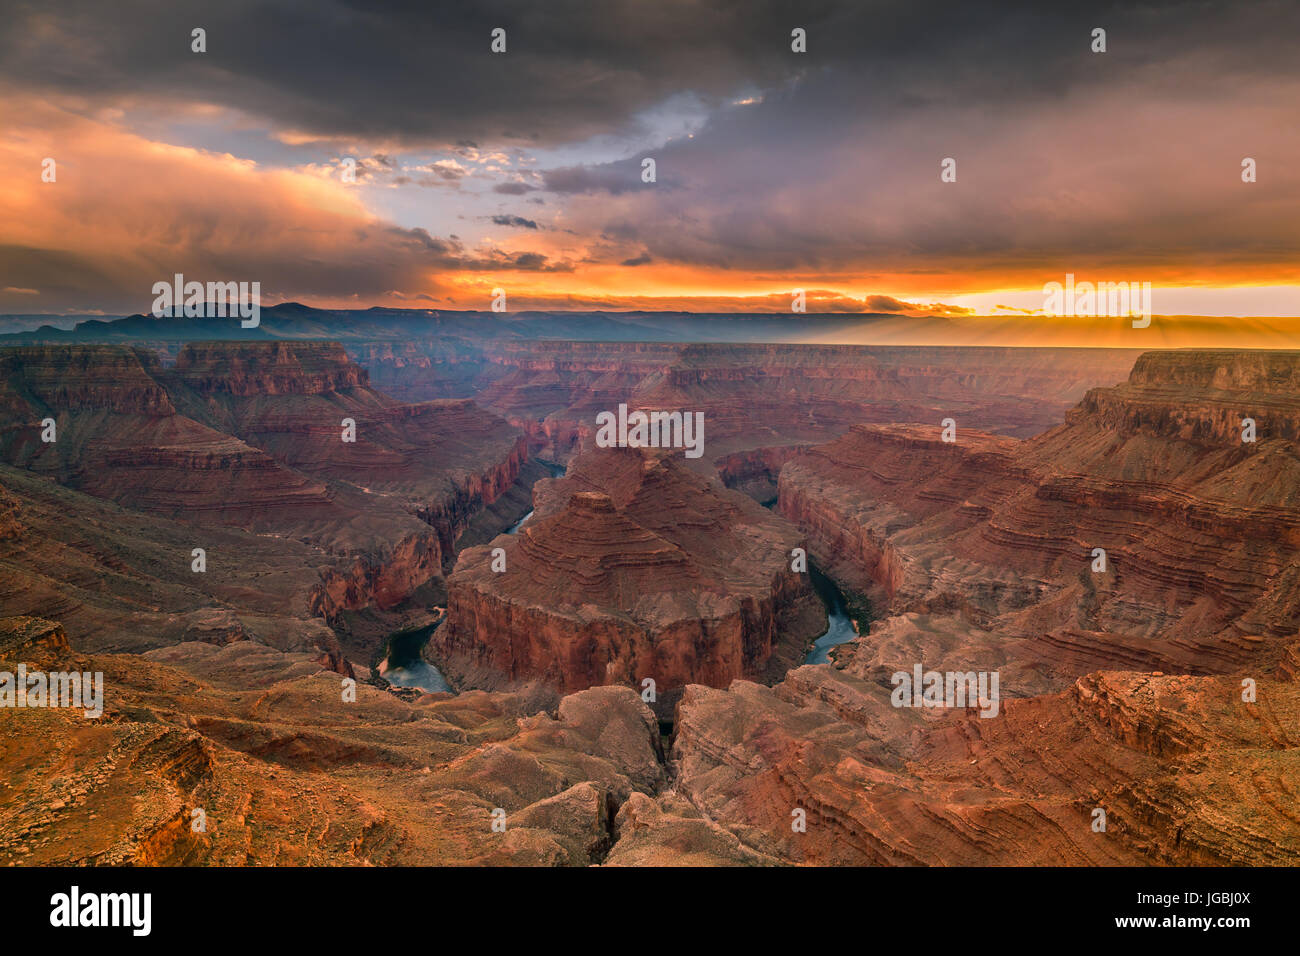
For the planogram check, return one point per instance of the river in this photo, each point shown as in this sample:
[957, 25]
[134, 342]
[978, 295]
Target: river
[407, 668]
[557, 471]
[840, 630]
[520, 523]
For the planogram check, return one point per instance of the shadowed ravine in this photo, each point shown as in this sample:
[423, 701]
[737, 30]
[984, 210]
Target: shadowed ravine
[408, 668]
[406, 665]
[840, 629]
[520, 523]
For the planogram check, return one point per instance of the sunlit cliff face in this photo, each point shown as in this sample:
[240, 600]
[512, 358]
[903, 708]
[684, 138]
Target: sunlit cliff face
[902, 162]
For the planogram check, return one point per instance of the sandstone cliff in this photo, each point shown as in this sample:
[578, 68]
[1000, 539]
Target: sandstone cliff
[1184, 771]
[1202, 558]
[247, 437]
[633, 567]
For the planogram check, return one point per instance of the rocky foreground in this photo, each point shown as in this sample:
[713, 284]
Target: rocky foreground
[283, 770]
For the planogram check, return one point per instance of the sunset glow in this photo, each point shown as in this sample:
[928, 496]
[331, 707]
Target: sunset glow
[770, 177]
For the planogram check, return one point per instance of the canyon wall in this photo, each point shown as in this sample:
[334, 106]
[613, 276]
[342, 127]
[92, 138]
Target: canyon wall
[1184, 772]
[632, 567]
[1202, 558]
[233, 446]
[753, 395]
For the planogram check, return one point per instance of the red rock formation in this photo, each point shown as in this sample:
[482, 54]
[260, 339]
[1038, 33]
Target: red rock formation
[756, 470]
[252, 369]
[384, 582]
[289, 773]
[1185, 772]
[121, 580]
[26, 638]
[72, 378]
[1199, 529]
[752, 395]
[444, 460]
[632, 567]
[120, 436]
[419, 369]
[249, 436]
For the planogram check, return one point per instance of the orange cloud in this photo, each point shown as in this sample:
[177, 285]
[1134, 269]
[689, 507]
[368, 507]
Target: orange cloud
[124, 212]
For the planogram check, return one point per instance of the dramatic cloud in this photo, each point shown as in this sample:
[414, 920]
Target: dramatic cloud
[411, 73]
[124, 212]
[775, 170]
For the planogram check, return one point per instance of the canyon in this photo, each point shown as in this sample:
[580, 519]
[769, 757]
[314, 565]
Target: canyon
[1157, 690]
[251, 690]
[239, 451]
[758, 378]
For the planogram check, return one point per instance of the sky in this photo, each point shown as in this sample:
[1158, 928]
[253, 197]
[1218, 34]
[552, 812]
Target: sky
[775, 170]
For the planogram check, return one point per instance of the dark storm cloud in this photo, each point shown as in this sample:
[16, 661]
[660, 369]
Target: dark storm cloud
[451, 255]
[1105, 160]
[420, 73]
[409, 71]
[517, 221]
[826, 169]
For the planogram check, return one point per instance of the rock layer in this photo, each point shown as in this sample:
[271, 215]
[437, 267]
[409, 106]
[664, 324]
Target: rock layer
[288, 772]
[1184, 771]
[248, 437]
[632, 567]
[1202, 559]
